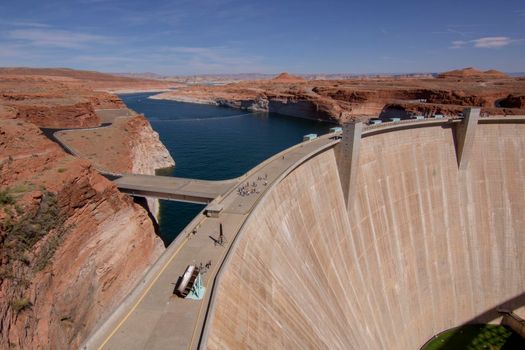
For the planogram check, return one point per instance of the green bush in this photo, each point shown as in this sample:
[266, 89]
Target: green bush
[6, 198]
[23, 232]
[47, 252]
[20, 304]
[20, 188]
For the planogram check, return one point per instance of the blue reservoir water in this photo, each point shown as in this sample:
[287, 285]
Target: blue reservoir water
[214, 143]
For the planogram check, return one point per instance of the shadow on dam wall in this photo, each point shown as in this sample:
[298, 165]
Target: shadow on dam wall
[422, 248]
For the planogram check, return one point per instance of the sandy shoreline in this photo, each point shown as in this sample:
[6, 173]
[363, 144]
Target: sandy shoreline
[186, 99]
[133, 91]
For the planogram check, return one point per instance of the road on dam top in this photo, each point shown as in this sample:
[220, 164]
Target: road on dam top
[153, 317]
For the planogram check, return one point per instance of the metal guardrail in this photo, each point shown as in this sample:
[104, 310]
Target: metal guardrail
[405, 121]
[436, 120]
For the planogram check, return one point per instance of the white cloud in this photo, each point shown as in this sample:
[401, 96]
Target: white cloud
[213, 55]
[458, 44]
[171, 60]
[491, 42]
[190, 50]
[56, 38]
[24, 23]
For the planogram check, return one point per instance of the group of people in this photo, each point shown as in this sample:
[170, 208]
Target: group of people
[248, 189]
[205, 267]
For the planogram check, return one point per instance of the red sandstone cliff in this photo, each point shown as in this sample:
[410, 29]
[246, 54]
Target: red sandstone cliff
[72, 246]
[287, 78]
[90, 79]
[341, 100]
[53, 102]
[473, 73]
[104, 243]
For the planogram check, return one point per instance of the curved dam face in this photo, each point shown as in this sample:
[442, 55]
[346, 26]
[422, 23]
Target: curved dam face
[421, 246]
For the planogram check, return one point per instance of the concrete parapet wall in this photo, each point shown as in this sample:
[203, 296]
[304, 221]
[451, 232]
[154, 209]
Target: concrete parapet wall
[423, 247]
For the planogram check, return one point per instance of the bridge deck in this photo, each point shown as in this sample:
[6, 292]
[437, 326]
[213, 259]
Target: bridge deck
[173, 188]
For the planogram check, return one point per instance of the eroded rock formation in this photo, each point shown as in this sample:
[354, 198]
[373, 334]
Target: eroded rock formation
[342, 100]
[72, 246]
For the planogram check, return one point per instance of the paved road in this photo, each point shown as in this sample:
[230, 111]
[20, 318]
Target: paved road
[152, 317]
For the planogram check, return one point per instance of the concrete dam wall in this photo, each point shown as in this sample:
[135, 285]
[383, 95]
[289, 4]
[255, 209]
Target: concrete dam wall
[420, 247]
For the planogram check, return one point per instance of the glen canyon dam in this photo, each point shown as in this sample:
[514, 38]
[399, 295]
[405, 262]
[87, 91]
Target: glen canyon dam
[373, 237]
[381, 241]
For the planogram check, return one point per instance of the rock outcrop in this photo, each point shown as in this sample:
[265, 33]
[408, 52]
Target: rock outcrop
[53, 102]
[55, 291]
[72, 246]
[90, 79]
[147, 153]
[342, 100]
[473, 73]
[128, 145]
[287, 78]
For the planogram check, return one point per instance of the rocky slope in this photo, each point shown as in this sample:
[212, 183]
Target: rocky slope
[342, 100]
[72, 246]
[91, 79]
[53, 101]
[129, 145]
[473, 73]
[148, 154]
[55, 290]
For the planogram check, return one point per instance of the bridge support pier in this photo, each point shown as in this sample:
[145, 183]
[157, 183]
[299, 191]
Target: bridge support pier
[347, 155]
[465, 133]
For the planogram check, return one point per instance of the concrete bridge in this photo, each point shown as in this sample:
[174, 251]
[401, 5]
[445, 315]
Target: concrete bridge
[327, 223]
[173, 188]
[162, 187]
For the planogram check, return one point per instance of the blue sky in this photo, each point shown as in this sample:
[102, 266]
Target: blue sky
[232, 36]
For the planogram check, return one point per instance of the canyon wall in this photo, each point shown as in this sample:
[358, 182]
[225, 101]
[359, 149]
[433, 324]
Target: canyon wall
[363, 98]
[147, 154]
[128, 145]
[53, 102]
[423, 247]
[72, 244]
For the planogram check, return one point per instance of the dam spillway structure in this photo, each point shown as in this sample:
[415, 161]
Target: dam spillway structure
[395, 234]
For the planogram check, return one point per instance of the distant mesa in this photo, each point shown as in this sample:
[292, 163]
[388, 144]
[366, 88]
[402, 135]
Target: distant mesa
[288, 78]
[471, 72]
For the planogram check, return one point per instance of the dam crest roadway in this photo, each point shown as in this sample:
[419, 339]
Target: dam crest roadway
[152, 316]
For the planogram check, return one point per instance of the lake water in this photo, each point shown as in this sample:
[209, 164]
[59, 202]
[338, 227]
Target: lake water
[214, 143]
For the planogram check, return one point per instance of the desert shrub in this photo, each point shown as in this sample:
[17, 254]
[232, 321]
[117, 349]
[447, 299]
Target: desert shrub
[20, 304]
[20, 188]
[47, 252]
[23, 232]
[6, 198]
